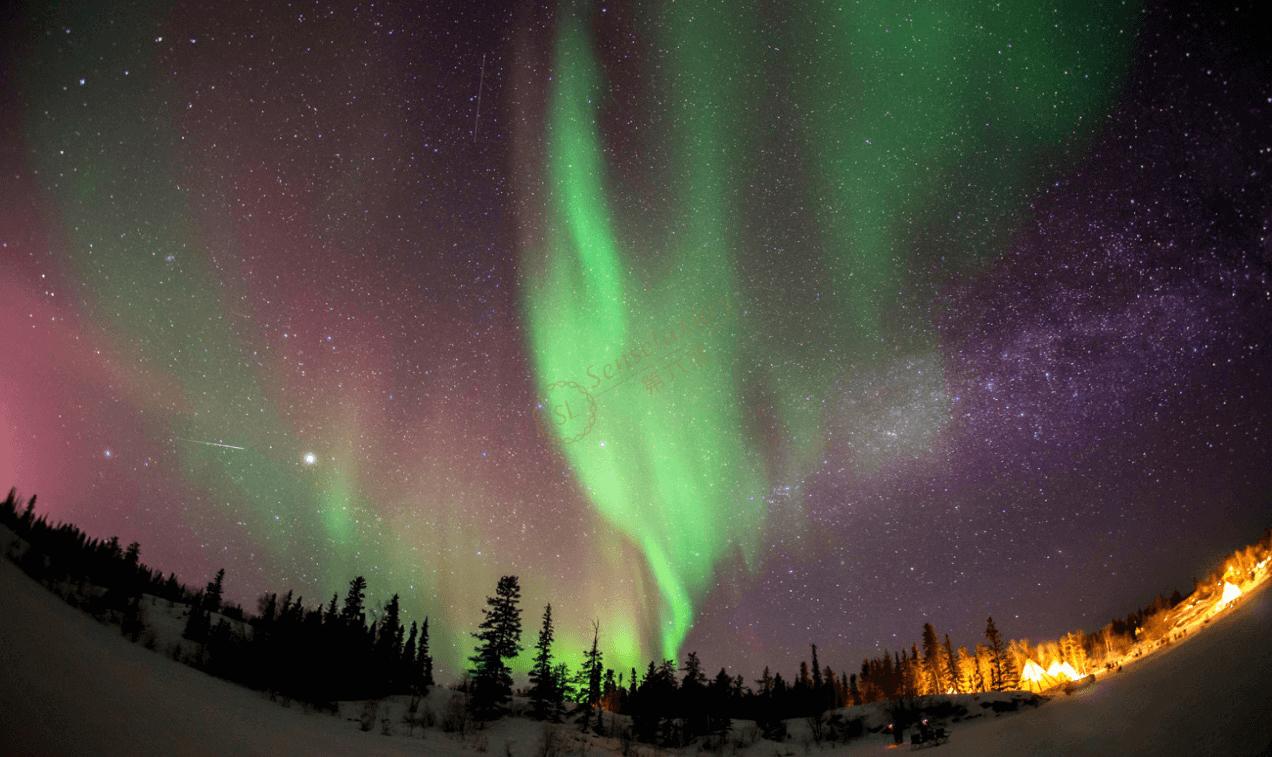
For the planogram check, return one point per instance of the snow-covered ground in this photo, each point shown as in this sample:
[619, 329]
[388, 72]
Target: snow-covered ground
[1210, 694]
[71, 685]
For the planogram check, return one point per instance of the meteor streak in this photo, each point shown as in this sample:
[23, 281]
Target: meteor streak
[210, 444]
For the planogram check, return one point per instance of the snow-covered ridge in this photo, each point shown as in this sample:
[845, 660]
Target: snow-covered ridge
[71, 685]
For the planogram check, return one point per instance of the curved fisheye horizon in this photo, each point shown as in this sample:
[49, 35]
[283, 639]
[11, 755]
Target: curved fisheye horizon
[725, 328]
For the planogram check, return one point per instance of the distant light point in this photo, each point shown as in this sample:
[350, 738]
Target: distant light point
[310, 458]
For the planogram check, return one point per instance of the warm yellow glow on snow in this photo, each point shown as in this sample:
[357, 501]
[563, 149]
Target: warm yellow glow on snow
[1033, 672]
[1230, 593]
[1062, 671]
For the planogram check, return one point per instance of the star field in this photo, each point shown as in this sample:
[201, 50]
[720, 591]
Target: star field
[735, 326]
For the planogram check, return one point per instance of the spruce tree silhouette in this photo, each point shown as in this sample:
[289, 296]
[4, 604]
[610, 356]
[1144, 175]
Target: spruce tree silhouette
[352, 613]
[388, 645]
[933, 672]
[499, 640]
[590, 681]
[545, 695]
[951, 667]
[693, 697]
[1003, 672]
[406, 661]
[423, 662]
[212, 594]
[199, 620]
[721, 700]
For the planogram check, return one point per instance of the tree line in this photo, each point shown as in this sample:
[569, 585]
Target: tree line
[330, 652]
[318, 654]
[673, 703]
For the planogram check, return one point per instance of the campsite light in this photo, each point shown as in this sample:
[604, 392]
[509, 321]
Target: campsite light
[1230, 593]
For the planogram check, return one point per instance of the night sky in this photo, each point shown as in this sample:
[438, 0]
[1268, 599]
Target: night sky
[737, 326]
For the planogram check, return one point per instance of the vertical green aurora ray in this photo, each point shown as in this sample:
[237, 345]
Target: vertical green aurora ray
[106, 147]
[908, 117]
[668, 469]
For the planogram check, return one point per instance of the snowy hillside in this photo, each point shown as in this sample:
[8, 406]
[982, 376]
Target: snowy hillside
[1207, 695]
[73, 685]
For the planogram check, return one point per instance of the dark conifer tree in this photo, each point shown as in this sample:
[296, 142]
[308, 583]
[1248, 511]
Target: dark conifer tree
[390, 638]
[212, 595]
[829, 695]
[424, 662]
[933, 671]
[644, 712]
[1002, 671]
[720, 701]
[28, 515]
[564, 682]
[199, 621]
[172, 590]
[388, 644]
[407, 662]
[352, 613]
[545, 696]
[266, 609]
[221, 644]
[978, 678]
[196, 625]
[765, 683]
[132, 555]
[693, 696]
[609, 689]
[951, 667]
[916, 671]
[499, 640]
[590, 680]
[816, 669]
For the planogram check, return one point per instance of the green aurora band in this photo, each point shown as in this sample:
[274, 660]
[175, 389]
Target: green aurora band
[920, 132]
[883, 146]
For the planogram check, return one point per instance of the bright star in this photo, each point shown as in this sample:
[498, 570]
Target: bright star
[310, 458]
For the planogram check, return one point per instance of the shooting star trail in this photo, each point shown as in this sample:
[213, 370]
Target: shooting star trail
[210, 444]
[480, 84]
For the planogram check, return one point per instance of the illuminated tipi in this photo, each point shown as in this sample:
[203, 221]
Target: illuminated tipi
[1035, 678]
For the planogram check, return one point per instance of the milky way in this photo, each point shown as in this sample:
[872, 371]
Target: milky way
[734, 326]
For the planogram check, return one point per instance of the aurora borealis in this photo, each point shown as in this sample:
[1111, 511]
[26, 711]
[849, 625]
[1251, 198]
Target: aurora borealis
[736, 326]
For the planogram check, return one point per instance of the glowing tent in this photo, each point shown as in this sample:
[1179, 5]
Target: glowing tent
[1035, 678]
[1230, 594]
[1062, 671]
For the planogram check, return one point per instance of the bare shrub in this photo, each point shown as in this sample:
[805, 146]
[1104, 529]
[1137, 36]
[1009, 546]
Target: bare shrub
[745, 736]
[371, 709]
[456, 718]
[551, 744]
